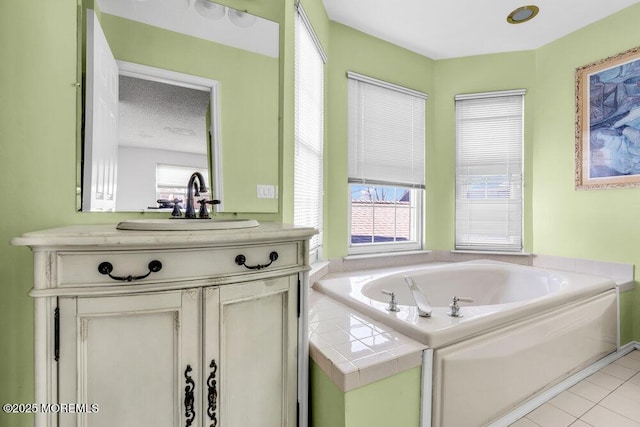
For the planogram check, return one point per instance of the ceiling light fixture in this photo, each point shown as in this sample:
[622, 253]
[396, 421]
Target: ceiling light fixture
[523, 14]
[210, 10]
[241, 18]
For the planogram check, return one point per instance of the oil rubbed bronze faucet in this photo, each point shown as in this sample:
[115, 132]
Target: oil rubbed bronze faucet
[199, 186]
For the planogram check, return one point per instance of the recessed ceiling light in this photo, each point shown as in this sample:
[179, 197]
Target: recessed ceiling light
[522, 14]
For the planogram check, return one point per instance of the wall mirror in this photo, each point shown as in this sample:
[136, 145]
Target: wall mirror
[170, 86]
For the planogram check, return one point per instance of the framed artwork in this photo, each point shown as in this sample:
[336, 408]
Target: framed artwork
[608, 122]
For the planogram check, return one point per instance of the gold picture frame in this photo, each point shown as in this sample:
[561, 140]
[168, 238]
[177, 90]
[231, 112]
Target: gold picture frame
[607, 126]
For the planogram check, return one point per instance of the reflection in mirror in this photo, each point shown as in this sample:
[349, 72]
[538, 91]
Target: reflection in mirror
[162, 141]
[146, 129]
[204, 19]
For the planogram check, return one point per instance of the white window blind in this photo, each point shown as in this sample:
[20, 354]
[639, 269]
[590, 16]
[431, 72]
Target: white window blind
[386, 133]
[309, 128]
[489, 171]
[172, 176]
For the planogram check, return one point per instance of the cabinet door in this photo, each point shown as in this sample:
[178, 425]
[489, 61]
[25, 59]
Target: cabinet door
[256, 352]
[136, 356]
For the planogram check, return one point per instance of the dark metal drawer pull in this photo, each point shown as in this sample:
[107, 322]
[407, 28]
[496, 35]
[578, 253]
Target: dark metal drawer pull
[107, 268]
[241, 259]
[212, 394]
[189, 411]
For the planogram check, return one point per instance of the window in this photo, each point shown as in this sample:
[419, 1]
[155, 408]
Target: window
[386, 165]
[309, 130]
[489, 171]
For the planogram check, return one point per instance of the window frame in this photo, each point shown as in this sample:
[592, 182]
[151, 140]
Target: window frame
[303, 24]
[417, 189]
[490, 244]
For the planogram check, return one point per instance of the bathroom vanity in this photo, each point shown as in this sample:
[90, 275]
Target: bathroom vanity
[177, 328]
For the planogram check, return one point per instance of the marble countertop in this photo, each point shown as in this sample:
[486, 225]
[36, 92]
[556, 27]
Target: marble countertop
[106, 235]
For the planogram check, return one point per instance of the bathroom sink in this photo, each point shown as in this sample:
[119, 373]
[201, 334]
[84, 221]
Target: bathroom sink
[182, 224]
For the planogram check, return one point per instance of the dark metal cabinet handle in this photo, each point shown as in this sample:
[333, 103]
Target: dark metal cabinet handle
[241, 259]
[189, 411]
[212, 394]
[107, 268]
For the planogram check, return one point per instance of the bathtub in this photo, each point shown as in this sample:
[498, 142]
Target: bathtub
[526, 330]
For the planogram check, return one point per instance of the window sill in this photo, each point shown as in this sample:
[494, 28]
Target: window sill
[319, 269]
[385, 254]
[460, 251]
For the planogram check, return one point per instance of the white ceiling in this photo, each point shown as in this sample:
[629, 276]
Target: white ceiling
[455, 28]
[161, 116]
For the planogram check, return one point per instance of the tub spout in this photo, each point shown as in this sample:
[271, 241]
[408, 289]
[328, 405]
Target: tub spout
[423, 305]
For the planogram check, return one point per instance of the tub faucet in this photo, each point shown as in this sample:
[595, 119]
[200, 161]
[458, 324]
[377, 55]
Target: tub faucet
[422, 303]
[199, 186]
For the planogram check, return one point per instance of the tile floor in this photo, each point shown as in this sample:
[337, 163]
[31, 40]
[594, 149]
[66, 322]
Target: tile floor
[608, 398]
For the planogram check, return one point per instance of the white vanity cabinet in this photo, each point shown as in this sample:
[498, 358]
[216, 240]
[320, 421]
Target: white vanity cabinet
[194, 329]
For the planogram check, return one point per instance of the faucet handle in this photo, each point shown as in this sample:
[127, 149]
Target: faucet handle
[455, 308]
[393, 304]
[176, 209]
[204, 213]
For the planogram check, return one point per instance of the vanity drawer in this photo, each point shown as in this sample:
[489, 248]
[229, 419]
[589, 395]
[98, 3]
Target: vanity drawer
[81, 268]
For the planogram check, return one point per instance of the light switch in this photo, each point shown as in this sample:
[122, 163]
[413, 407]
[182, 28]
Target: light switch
[266, 191]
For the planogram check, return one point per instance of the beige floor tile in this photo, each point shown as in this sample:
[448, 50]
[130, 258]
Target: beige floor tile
[580, 423]
[618, 402]
[572, 403]
[635, 354]
[599, 416]
[635, 379]
[619, 371]
[524, 422]
[629, 361]
[548, 415]
[590, 391]
[630, 390]
[605, 380]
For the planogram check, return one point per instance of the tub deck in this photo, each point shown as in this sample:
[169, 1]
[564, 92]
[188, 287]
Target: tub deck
[440, 329]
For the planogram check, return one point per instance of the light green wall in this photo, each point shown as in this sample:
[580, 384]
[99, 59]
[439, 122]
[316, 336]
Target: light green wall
[598, 224]
[351, 50]
[248, 93]
[392, 401]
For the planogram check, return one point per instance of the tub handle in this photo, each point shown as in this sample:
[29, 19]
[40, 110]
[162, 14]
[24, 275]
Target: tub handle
[455, 308]
[393, 303]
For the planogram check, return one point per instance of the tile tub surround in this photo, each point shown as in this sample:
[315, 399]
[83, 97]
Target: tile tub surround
[354, 350]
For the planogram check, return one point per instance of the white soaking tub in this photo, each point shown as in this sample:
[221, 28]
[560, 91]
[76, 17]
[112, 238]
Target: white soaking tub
[527, 329]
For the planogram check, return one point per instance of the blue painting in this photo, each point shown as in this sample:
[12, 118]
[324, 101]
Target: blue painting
[609, 142]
